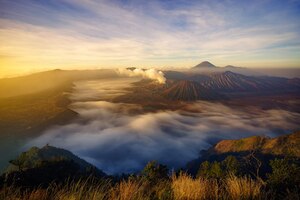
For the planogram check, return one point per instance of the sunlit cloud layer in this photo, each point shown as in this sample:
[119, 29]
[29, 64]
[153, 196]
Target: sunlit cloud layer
[36, 35]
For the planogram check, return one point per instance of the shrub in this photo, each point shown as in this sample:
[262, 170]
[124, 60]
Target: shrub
[154, 172]
[210, 170]
[285, 174]
[231, 165]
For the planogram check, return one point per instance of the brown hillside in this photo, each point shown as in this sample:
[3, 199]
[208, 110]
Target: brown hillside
[283, 145]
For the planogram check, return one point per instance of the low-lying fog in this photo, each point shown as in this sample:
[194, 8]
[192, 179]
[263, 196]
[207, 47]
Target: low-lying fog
[118, 138]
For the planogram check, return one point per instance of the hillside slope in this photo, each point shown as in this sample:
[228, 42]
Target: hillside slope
[30, 104]
[35, 157]
[264, 148]
[42, 81]
[233, 82]
[47, 165]
[282, 145]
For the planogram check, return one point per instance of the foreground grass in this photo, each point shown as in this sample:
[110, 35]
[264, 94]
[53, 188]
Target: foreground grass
[185, 187]
[182, 187]
[243, 188]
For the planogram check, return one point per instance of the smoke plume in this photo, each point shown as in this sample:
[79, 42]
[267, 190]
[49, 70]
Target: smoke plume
[148, 73]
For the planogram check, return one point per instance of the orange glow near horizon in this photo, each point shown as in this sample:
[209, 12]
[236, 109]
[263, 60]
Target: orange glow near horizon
[37, 36]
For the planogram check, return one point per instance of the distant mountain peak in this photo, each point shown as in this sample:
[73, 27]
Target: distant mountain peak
[204, 64]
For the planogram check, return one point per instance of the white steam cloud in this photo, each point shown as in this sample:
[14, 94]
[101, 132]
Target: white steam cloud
[117, 138]
[148, 73]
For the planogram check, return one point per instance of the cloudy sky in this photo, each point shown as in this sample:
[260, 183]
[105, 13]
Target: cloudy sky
[37, 35]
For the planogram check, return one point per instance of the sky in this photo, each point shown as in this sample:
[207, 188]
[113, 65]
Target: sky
[36, 35]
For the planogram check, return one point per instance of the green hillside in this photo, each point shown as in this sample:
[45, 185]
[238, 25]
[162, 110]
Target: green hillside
[37, 157]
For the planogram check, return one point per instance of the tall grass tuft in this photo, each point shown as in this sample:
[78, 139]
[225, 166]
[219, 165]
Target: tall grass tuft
[83, 189]
[186, 188]
[127, 190]
[243, 188]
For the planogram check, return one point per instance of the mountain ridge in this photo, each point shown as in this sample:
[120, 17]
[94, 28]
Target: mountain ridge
[35, 157]
[265, 148]
[282, 145]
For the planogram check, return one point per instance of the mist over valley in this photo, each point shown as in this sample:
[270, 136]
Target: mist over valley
[125, 119]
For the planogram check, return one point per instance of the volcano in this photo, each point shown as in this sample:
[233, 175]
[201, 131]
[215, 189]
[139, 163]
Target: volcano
[234, 82]
[204, 64]
[189, 91]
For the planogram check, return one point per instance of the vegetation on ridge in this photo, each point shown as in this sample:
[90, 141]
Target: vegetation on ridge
[217, 179]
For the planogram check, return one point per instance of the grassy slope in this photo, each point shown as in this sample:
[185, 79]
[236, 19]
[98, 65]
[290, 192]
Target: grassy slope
[32, 103]
[282, 145]
[22, 117]
[263, 147]
[29, 103]
[43, 81]
[27, 113]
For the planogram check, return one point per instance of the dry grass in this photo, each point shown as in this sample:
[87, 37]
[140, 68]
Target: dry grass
[186, 188]
[81, 190]
[243, 188]
[16, 194]
[182, 187]
[127, 190]
[72, 191]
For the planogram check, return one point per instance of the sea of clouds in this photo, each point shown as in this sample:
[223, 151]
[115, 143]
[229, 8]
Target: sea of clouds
[119, 138]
